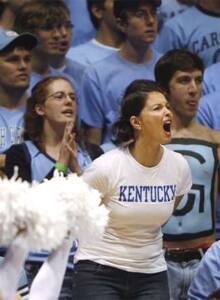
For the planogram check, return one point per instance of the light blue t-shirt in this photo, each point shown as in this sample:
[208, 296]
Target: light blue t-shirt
[168, 10]
[83, 28]
[211, 79]
[36, 77]
[90, 52]
[194, 29]
[208, 112]
[103, 86]
[207, 277]
[73, 69]
[11, 126]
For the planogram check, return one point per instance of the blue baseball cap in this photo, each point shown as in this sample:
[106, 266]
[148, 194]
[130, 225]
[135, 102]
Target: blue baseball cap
[12, 38]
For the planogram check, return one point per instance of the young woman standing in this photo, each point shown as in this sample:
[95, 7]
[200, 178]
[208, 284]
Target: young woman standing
[141, 183]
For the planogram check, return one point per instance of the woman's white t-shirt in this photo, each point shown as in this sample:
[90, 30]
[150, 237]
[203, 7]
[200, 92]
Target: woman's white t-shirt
[140, 200]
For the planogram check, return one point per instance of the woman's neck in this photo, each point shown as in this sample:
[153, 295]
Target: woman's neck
[52, 140]
[147, 155]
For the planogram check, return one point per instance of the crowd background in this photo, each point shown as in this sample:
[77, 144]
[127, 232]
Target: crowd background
[95, 49]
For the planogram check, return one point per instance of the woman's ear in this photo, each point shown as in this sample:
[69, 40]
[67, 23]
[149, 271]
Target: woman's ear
[135, 122]
[39, 109]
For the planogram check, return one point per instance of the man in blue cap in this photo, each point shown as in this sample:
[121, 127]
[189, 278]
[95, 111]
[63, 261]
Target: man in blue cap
[15, 70]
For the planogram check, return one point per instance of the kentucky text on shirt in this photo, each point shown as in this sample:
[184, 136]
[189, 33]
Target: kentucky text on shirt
[146, 193]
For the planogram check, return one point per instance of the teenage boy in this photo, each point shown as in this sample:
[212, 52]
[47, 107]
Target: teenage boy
[103, 83]
[191, 229]
[108, 36]
[15, 72]
[50, 22]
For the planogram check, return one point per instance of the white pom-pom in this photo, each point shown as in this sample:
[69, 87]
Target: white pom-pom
[12, 208]
[46, 216]
[33, 214]
[44, 213]
[86, 217]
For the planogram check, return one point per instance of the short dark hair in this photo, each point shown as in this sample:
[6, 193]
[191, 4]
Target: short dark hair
[133, 102]
[32, 15]
[173, 61]
[122, 6]
[99, 4]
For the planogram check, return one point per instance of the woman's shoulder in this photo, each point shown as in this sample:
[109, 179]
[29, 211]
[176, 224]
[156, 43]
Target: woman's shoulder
[110, 158]
[174, 157]
[113, 154]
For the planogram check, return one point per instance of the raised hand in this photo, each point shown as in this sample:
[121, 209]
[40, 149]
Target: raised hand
[68, 151]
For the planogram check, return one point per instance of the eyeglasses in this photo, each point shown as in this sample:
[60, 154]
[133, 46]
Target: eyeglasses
[144, 14]
[60, 96]
[51, 26]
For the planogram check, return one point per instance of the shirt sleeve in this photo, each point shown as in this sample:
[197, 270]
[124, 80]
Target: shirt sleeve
[91, 97]
[207, 277]
[95, 175]
[185, 178]
[169, 38]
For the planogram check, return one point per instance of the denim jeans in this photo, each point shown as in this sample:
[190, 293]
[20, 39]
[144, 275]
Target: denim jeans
[66, 290]
[180, 275]
[93, 281]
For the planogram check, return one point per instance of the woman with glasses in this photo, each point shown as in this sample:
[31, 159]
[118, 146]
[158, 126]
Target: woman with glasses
[51, 141]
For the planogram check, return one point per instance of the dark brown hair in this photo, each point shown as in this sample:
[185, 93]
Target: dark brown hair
[173, 61]
[133, 102]
[36, 14]
[122, 6]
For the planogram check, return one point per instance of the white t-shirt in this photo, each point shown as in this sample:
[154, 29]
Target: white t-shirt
[140, 200]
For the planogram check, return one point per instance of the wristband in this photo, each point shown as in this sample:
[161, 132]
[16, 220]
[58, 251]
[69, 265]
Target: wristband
[60, 167]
